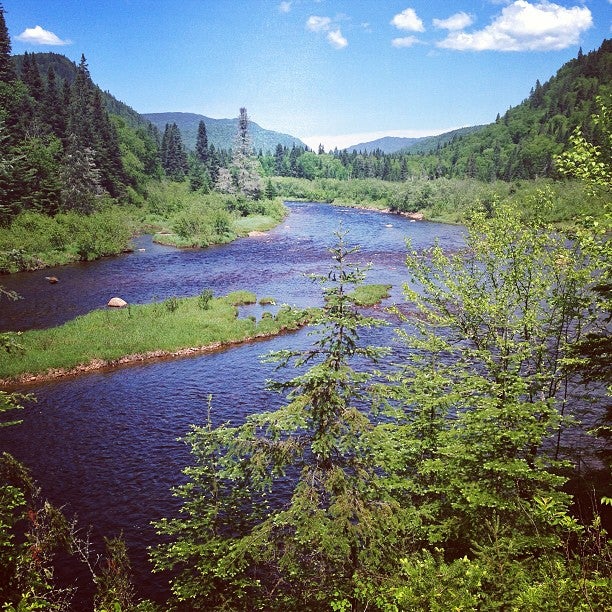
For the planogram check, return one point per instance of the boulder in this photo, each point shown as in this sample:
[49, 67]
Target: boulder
[117, 302]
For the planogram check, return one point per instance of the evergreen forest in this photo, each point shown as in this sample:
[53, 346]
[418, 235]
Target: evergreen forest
[438, 484]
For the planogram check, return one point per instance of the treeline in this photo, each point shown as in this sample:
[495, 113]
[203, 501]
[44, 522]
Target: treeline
[521, 144]
[61, 150]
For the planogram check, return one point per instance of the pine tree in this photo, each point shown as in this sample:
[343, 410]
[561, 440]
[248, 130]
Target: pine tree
[106, 143]
[81, 180]
[173, 156]
[243, 173]
[332, 527]
[54, 108]
[81, 100]
[31, 77]
[202, 144]
[7, 72]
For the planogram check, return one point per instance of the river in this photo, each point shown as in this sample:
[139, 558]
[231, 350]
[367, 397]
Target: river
[105, 445]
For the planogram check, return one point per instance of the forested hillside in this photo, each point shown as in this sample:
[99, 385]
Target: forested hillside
[521, 144]
[424, 144]
[61, 149]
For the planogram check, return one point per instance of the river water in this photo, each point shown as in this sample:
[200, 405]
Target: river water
[105, 445]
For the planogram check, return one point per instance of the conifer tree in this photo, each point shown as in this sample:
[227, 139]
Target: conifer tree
[330, 532]
[173, 155]
[81, 180]
[242, 176]
[106, 143]
[7, 72]
[202, 144]
[54, 108]
[81, 100]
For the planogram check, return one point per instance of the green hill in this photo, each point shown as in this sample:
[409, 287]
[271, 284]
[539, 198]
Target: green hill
[220, 132]
[66, 70]
[522, 143]
[424, 144]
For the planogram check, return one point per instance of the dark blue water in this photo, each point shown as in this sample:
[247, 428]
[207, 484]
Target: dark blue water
[105, 445]
[269, 265]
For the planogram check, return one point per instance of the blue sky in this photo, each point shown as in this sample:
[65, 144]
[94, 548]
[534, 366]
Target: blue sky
[337, 72]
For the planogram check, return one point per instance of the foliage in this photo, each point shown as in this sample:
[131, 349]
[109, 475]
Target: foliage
[370, 295]
[233, 546]
[173, 154]
[34, 240]
[197, 219]
[588, 162]
[106, 336]
[449, 200]
[242, 176]
[521, 144]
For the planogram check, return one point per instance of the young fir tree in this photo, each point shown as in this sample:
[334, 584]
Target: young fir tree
[55, 110]
[288, 511]
[202, 144]
[81, 103]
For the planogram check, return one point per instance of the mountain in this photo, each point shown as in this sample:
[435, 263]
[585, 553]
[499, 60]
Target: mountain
[66, 70]
[387, 144]
[424, 144]
[221, 132]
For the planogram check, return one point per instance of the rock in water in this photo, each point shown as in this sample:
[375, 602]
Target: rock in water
[117, 302]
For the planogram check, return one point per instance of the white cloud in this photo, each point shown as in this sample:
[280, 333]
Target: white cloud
[40, 36]
[408, 20]
[334, 36]
[522, 26]
[284, 7]
[405, 41]
[336, 39]
[458, 21]
[318, 24]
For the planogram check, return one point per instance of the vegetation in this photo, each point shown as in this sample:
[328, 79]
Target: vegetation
[441, 485]
[185, 218]
[34, 240]
[103, 337]
[449, 200]
[521, 144]
[370, 295]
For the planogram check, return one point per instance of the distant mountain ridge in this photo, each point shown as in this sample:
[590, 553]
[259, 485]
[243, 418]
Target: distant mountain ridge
[221, 132]
[423, 144]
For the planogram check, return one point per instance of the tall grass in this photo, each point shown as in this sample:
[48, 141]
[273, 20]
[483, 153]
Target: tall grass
[104, 336]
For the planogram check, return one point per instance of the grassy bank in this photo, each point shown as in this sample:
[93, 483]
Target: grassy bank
[110, 336]
[448, 200]
[369, 295]
[181, 218]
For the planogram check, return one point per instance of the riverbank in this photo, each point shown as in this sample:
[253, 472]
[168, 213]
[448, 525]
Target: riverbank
[176, 327]
[111, 337]
[177, 216]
